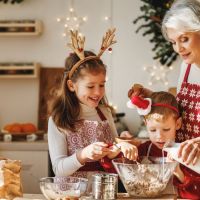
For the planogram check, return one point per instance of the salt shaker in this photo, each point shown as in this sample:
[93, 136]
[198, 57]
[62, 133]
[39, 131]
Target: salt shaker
[105, 186]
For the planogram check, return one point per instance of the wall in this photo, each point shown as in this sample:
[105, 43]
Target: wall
[19, 98]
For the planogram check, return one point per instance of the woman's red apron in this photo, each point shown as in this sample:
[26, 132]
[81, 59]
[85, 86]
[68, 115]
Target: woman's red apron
[189, 100]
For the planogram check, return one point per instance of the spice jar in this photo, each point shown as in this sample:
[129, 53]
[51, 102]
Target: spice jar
[105, 186]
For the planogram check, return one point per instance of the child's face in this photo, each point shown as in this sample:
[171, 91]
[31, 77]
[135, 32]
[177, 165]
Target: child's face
[90, 88]
[161, 131]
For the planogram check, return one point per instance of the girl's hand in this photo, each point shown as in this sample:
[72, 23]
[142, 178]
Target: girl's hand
[114, 151]
[189, 151]
[93, 151]
[130, 151]
[179, 173]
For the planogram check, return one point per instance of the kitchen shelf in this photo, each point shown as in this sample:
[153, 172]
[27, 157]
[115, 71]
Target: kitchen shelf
[20, 27]
[19, 70]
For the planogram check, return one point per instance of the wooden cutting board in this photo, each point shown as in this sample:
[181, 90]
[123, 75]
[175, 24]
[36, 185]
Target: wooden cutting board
[50, 81]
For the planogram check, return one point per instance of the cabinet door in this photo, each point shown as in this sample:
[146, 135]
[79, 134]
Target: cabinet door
[34, 167]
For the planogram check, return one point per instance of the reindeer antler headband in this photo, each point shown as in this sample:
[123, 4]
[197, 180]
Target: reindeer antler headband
[77, 45]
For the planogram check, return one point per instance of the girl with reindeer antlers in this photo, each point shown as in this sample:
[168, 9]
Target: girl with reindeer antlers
[81, 127]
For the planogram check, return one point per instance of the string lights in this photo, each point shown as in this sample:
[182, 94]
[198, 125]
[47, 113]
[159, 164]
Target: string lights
[71, 21]
[158, 74]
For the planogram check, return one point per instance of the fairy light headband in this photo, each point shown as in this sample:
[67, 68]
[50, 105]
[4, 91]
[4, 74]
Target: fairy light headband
[77, 45]
[143, 106]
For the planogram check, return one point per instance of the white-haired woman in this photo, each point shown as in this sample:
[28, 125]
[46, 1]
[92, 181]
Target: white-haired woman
[181, 26]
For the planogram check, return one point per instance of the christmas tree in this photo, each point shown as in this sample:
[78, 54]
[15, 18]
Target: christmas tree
[153, 13]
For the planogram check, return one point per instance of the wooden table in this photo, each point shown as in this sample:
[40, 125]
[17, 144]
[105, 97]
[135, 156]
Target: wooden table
[121, 196]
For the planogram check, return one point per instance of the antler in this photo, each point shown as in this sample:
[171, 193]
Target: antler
[77, 44]
[107, 41]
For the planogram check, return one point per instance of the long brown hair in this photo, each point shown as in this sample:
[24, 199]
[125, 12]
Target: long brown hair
[65, 109]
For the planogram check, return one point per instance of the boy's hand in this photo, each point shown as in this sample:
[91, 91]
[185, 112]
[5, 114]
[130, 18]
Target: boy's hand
[130, 151]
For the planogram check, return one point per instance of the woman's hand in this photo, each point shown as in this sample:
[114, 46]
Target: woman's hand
[130, 151]
[93, 151]
[189, 151]
[179, 173]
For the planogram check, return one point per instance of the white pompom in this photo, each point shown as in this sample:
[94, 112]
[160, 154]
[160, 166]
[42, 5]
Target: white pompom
[130, 105]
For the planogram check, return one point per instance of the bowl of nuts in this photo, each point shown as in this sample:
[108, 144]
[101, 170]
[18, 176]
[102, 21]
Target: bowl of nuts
[147, 177]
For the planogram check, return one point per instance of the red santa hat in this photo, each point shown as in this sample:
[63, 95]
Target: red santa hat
[143, 106]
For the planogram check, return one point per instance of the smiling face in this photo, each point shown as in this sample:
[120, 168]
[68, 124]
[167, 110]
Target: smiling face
[162, 130]
[89, 88]
[187, 45]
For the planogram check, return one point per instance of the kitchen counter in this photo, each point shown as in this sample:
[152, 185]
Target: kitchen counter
[24, 146]
[41, 197]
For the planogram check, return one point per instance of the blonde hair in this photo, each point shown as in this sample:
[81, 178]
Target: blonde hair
[161, 113]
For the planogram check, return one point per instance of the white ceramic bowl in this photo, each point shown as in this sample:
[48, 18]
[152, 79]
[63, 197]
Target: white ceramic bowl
[63, 187]
[145, 180]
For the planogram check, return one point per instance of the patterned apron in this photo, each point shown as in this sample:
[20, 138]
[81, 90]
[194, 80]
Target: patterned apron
[189, 100]
[87, 133]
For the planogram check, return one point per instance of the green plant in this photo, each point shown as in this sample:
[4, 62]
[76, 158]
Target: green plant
[153, 13]
[11, 1]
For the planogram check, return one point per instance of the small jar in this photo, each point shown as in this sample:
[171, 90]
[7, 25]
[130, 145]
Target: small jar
[105, 186]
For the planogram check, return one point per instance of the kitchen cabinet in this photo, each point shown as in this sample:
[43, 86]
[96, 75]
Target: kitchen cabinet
[35, 161]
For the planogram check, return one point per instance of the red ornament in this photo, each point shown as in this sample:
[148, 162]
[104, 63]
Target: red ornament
[80, 49]
[110, 49]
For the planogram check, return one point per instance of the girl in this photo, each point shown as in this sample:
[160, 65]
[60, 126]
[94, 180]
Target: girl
[162, 118]
[81, 126]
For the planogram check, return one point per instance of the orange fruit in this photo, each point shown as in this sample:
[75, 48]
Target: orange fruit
[7, 127]
[28, 128]
[16, 128]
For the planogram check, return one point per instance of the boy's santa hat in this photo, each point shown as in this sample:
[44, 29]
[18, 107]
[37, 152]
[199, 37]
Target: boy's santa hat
[143, 106]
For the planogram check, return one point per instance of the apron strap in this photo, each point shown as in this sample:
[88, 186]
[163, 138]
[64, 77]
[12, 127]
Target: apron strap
[101, 115]
[187, 73]
[149, 149]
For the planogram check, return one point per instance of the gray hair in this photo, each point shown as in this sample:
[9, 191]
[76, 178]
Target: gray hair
[184, 15]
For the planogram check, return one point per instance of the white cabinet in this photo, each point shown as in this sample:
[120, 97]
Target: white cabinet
[35, 162]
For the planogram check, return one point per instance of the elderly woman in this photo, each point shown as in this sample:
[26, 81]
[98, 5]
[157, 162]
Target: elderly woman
[181, 26]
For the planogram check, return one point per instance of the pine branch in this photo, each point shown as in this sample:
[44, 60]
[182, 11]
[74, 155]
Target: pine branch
[153, 13]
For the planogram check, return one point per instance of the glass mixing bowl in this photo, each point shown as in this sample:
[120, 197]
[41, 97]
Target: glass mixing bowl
[147, 178]
[57, 188]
